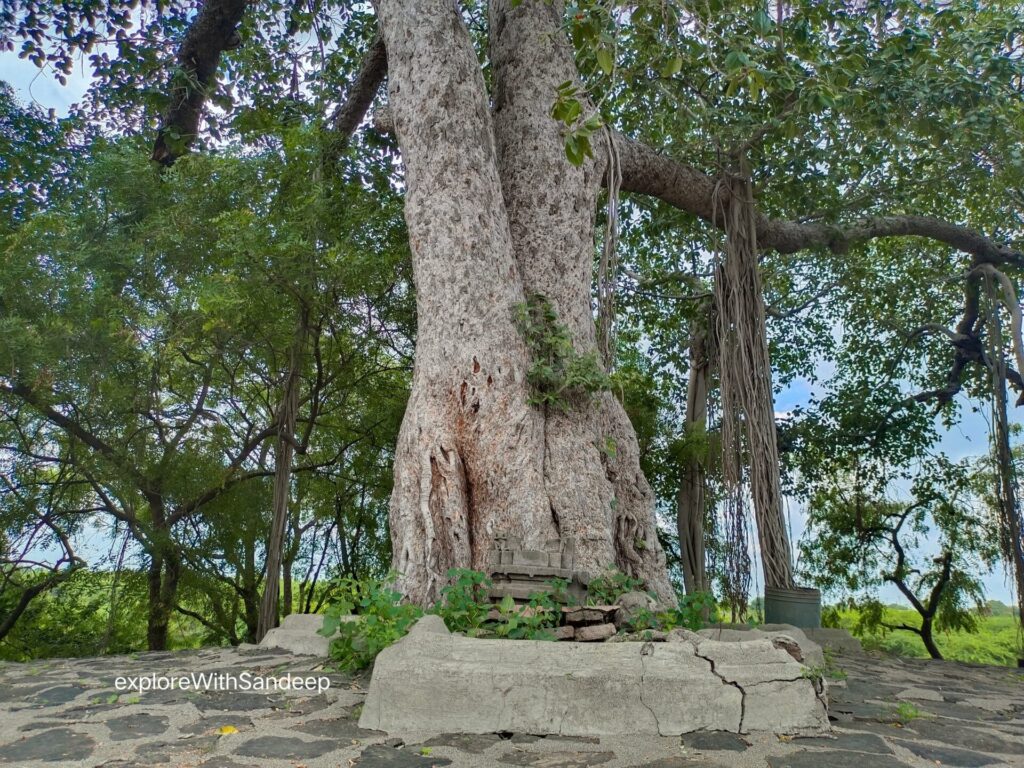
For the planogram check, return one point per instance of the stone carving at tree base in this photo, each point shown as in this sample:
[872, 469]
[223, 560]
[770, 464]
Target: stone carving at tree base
[519, 572]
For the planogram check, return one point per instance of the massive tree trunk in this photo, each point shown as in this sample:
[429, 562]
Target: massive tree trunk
[490, 221]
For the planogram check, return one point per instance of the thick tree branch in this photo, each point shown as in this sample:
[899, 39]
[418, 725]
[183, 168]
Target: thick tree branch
[374, 69]
[647, 172]
[30, 593]
[76, 430]
[214, 30]
[940, 585]
[788, 236]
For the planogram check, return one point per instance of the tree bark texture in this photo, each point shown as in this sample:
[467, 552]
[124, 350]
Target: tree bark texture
[213, 31]
[690, 500]
[494, 212]
[283, 454]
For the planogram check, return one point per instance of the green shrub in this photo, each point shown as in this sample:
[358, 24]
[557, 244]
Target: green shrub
[465, 602]
[537, 623]
[692, 612]
[609, 586]
[384, 619]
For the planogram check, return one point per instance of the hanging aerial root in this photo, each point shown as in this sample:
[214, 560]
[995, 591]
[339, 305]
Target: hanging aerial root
[748, 415]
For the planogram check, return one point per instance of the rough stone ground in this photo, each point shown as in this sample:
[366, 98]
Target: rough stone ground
[67, 713]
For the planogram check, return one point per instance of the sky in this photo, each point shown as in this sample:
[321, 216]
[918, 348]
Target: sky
[969, 438]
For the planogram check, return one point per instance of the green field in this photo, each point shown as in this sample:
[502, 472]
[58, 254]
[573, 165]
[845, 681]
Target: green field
[995, 642]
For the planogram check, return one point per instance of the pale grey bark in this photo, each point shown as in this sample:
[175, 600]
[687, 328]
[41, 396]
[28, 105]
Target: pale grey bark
[489, 223]
[596, 491]
[468, 464]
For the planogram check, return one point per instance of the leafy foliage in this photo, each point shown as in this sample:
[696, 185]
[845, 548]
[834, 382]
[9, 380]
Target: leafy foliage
[382, 620]
[534, 621]
[607, 587]
[558, 374]
[464, 601]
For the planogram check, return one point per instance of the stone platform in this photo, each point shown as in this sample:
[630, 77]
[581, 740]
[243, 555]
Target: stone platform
[66, 712]
[580, 689]
[298, 634]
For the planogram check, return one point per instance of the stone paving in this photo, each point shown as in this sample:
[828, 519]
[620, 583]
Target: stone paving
[68, 713]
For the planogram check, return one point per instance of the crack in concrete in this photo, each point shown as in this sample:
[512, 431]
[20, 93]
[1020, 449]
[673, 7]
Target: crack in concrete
[733, 683]
[647, 649]
[818, 685]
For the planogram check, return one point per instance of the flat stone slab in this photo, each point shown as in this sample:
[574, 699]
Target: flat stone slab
[677, 762]
[955, 734]
[337, 728]
[473, 743]
[383, 756]
[809, 653]
[56, 746]
[833, 759]
[298, 634]
[666, 689]
[285, 748]
[714, 741]
[852, 742]
[838, 640]
[558, 759]
[960, 758]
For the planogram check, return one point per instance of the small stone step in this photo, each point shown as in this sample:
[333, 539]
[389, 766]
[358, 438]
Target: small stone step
[567, 632]
[590, 614]
[594, 633]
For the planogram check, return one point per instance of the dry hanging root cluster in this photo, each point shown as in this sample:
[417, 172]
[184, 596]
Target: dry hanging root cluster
[748, 414]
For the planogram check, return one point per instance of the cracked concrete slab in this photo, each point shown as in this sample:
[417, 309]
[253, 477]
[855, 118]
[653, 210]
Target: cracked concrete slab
[807, 651]
[662, 689]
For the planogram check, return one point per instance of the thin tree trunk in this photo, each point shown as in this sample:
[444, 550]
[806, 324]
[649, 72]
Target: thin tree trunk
[290, 553]
[162, 577]
[112, 609]
[1012, 544]
[287, 563]
[283, 453]
[250, 592]
[690, 499]
[929, 639]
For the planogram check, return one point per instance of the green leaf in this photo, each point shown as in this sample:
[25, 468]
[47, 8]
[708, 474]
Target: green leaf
[762, 23]
[575, 153]
[672, 66]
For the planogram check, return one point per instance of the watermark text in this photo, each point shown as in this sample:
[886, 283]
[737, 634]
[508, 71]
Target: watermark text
[221, 681]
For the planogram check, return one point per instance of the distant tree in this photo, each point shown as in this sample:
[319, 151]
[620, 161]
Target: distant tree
[933, 547]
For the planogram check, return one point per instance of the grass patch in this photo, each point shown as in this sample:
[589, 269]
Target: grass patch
[995, 642]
